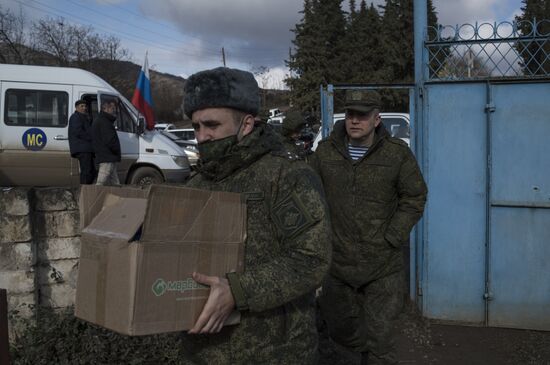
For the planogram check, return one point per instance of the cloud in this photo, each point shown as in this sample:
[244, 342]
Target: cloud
[258, 32]
[249, 30]
[110, 2]
[465, 11]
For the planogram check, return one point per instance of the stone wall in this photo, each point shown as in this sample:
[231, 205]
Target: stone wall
[39, 246]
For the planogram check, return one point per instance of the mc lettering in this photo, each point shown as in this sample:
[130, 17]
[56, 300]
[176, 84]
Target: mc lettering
[34, 140]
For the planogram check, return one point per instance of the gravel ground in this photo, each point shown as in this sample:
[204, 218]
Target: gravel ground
[421, 342]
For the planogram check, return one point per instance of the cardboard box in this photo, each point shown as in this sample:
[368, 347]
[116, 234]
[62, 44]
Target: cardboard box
[140, 247]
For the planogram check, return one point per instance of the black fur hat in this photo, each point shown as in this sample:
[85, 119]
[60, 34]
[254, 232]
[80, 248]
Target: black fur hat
[221, 87]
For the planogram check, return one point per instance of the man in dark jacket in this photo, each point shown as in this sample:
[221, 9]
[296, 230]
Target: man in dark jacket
[376, 194]
[106, 144]
[80, 142]
[287, 250]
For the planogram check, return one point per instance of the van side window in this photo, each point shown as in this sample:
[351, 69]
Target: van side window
[39, 108]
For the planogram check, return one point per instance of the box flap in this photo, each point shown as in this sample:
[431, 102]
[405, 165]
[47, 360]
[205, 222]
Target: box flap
[120, 218]
[179, 214]
[92, 197]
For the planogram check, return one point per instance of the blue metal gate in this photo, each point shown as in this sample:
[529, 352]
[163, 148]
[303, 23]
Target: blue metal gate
[480, 108]
[485, 121]
[486, 239]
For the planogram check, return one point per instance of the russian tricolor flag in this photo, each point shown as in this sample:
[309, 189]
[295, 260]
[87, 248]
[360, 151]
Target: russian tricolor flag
[142, 96]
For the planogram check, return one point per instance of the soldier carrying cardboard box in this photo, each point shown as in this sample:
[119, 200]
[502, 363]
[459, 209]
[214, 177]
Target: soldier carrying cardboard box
[287, 250]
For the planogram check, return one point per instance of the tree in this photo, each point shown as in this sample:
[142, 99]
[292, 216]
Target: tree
[262, 74]
[362, 46]
[74, 44]
[12, 37]
[535, 53]
[317, 52]
[458, 67]
[362, 60]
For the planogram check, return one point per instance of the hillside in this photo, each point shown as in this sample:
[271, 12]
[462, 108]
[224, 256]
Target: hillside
[166, 89]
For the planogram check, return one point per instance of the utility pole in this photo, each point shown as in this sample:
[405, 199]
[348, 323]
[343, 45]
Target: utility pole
[223, 57]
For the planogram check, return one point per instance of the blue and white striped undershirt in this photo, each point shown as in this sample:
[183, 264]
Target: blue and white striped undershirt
[357, 152]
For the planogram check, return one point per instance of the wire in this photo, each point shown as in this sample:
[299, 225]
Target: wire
[216, 51]
[150, 43]
[127, 36]
[245, 48]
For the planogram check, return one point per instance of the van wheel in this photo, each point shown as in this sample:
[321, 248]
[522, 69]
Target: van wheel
[146, 176]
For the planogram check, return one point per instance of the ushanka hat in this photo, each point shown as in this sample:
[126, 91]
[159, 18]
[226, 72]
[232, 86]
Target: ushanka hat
[221, 87]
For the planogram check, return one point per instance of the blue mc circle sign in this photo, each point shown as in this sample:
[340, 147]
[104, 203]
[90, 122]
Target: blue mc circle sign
[34, 139]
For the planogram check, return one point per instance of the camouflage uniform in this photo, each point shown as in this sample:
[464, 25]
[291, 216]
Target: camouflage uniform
[287, 255]
[374, 202]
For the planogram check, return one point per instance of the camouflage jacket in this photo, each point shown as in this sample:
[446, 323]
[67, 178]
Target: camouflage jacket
[374, 203]
[287, 254]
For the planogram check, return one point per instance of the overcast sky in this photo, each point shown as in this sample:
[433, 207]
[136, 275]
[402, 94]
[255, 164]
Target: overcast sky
[186, 36]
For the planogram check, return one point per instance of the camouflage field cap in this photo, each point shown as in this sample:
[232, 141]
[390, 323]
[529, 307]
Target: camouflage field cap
[221, 87]
[293, 122]
[362, 100]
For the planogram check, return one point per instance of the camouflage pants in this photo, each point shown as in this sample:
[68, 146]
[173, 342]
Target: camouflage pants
[363, 319]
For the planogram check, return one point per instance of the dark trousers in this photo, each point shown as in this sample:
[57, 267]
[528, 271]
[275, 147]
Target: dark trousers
[88, 172]
[363, 319]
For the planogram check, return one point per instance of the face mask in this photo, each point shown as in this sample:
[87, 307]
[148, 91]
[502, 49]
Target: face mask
[216, 149]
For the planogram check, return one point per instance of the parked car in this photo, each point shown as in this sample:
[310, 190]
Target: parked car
[35, 105]
[189, 147]
[187, 134]
[397, 124]
[276, 120]
[164, 126]
[274, 112]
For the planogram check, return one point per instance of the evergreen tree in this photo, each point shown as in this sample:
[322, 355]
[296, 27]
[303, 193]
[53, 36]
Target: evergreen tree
[317, 50]
[398, 46]
[535, 53]
[352, 10]
[398, 41]
[438, 56]
[362, 47]
[362, 58]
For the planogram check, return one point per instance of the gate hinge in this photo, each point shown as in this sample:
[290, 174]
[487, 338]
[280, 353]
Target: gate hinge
[488, 296]
[490, 108]
[421, 92]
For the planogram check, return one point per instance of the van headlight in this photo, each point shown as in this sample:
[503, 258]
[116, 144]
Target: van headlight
[181, 161]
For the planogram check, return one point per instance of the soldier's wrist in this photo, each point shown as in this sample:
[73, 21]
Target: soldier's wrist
[237, 290]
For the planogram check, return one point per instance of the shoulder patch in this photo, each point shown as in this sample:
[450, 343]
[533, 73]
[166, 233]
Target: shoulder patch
[290, 216]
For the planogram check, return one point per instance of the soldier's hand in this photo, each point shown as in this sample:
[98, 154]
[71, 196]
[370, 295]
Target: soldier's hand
[218, 307]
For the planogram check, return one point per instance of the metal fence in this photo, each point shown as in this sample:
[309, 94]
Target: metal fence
[489, 51]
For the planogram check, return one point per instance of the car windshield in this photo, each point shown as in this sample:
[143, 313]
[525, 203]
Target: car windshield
[397, 127]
